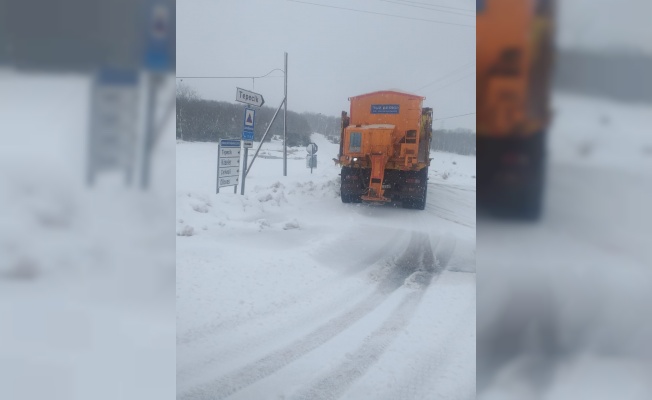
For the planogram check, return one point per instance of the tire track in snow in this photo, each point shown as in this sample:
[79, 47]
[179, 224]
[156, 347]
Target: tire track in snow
[418, 386]
[336, 382]
[418, 253]
[260, 338]
[217, 325]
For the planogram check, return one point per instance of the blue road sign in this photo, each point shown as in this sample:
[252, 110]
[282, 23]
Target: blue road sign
[247, 134]
[229, 143]
[158, 36]
[249, 121]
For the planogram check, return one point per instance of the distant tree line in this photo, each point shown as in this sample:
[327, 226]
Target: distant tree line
[459, 141]
[202, 120]
[208, 121]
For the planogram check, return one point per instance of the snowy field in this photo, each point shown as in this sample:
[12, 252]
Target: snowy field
[286, 292]
[86, 275]
[563, 305]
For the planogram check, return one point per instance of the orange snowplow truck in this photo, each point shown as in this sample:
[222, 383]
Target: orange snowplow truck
[385, 149]
[514, 48]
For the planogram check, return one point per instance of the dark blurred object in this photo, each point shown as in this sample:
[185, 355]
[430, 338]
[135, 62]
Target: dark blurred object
[514, 63]
[86, 273]
[76, 35]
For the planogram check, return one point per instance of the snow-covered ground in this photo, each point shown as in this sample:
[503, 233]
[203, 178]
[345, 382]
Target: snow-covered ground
[286, 292]
[563, 305]
[86, 275]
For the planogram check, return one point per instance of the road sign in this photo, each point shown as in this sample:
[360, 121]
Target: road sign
[228, 152]
[228, 163]
[251, 98]
[229, 171]
[228, 181]
[247, 135]
[250, 115]
[248, 144]
[158, 42]
[229, 143]
[311, 161]
[311, 148]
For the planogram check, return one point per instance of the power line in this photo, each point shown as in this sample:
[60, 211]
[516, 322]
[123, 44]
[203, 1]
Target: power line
[438, 5]
[455, 81]
[387, 15]
[453, 72]
[234, 77]
[454, 116]
[428, 8]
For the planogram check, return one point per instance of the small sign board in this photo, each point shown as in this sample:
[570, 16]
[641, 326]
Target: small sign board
[226, 152]
[158, 36]
[311, 148]
[248, 143]
[311, 161]
[385, 108]
[113, 122]
[248, 125]
[229, 171]
[247, 135]
[228, 163]
[247, 97]
[250, 115]
[228, 181]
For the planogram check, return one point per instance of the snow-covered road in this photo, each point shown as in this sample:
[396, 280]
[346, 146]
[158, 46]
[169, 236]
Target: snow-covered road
[288, 293]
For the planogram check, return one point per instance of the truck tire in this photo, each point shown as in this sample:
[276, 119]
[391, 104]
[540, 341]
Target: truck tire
[418, 203]
[345, 194]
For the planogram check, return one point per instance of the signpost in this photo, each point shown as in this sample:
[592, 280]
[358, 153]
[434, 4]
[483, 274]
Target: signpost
[228, 163]
[251, 99]
[157, 61]
[311, 158]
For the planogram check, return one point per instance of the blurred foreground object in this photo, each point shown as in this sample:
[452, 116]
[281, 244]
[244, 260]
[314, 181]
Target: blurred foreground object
[563, 303]
[514, 60]
[87, 273]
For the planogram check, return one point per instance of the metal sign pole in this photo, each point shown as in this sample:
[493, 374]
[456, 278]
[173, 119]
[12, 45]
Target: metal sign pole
[285, 113]
[217, 179]
[244, 169]
[152, 89]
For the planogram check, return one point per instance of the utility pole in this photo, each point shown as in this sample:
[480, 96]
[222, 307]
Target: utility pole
[285, 120]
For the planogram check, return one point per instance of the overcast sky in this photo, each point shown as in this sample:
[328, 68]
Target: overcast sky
[333, 53]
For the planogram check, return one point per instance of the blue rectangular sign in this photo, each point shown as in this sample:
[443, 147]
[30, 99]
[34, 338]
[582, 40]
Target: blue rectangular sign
[385, 108]
[229, 143]
[247, 134]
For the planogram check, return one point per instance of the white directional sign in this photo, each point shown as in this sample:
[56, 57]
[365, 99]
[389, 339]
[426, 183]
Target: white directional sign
[251, 98]
[228, 163]
[228, 181]
[248, 143]
[229, 152]
[229, 171]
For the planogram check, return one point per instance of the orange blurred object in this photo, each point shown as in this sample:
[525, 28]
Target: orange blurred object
[514, 45]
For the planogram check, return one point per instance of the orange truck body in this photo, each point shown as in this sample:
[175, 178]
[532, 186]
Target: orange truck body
[514, 55]
[385, 148]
